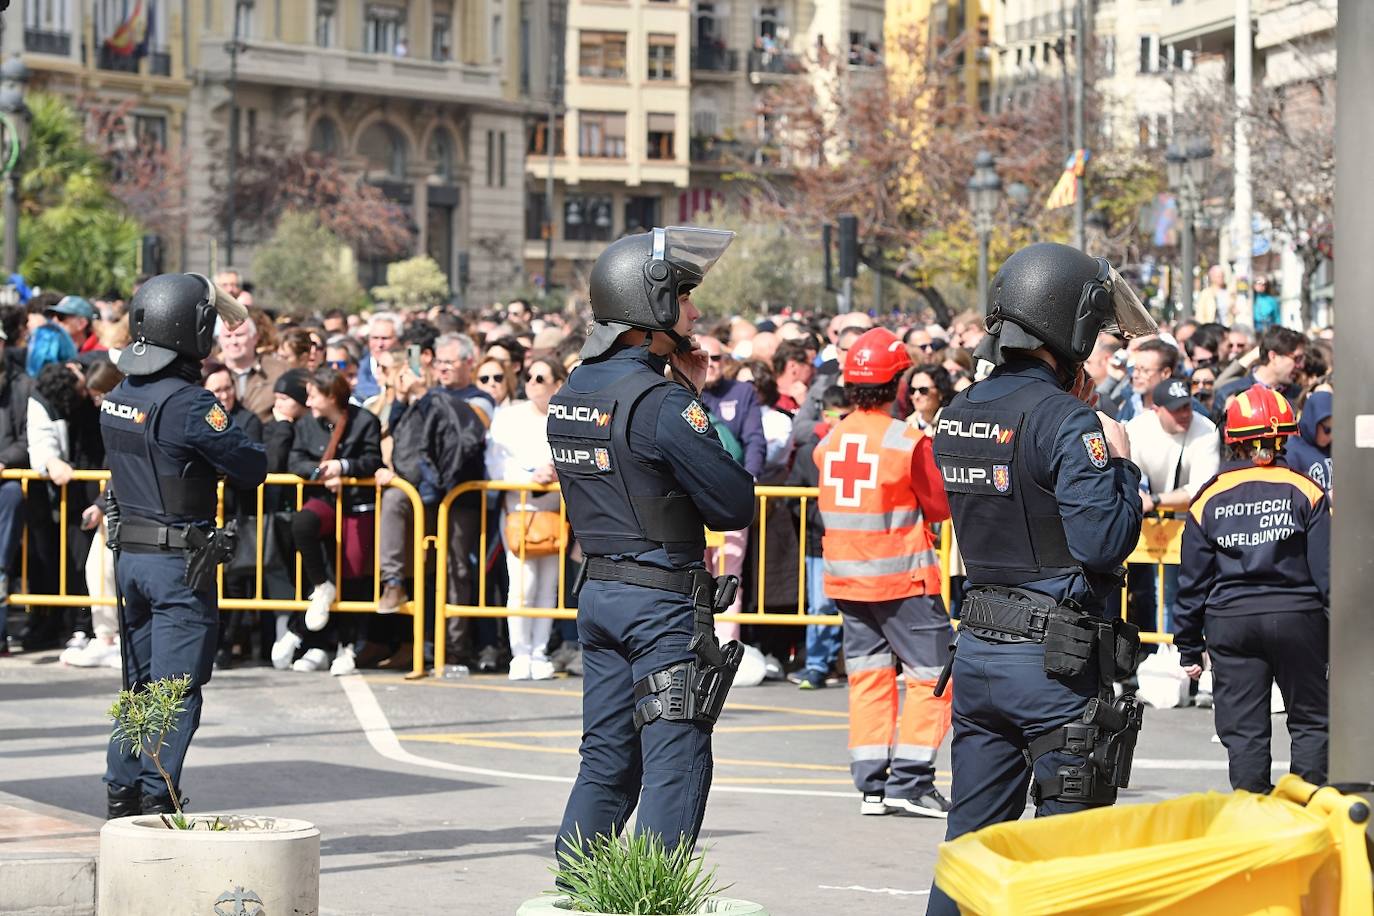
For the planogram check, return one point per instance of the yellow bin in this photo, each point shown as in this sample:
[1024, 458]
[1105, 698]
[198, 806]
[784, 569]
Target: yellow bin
[1298, 851]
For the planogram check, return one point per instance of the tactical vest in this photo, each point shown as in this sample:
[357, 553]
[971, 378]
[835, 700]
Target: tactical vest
[617, 503]
[148, 482]
[1008, 524]
[876, 545]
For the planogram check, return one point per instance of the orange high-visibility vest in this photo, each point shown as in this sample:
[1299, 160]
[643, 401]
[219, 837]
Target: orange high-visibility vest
[876, 545]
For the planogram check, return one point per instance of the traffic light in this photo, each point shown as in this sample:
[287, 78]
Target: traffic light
[849, 246]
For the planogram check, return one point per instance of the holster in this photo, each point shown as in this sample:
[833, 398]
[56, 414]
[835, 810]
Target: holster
[206, 551]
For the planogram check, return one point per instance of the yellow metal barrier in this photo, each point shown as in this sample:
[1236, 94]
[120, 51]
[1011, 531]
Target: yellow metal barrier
[257, 602]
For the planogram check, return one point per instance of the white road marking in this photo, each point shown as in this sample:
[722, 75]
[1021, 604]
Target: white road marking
[890, 891]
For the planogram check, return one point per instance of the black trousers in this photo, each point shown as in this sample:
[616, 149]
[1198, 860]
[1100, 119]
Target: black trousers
[1248, 654]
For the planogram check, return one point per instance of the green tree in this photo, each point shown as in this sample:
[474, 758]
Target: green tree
[413, 283]
[75, 237]
[770, 264]
[302, 269]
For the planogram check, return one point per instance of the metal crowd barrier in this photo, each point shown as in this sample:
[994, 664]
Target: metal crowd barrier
[258, 601]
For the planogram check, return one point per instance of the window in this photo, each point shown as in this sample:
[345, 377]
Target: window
[768, 23]
[150, 129]
[252, 128]
[1149, 54]
[1109, 54]
[587, 219]
[660, 144]
[501, 159]
[324, 137]
[324, 24]
[535, 216]
[662, 52]
[538, 144]
[602, 55]
[641, 213]
[385, 151]
[440, 152]
[491, 158]
[384, 30]
[601, 135]
[441, 39]
[498, 41]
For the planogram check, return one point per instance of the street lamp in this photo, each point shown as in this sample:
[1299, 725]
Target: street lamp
[234, 47]
[984, 193]
[14, 76]
[1188, 168]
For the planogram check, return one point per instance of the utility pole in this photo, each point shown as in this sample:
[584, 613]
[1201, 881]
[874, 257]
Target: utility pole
[1352, 541]
[1080, 203]
[557, 20]
[1241, 223]
[233, 48]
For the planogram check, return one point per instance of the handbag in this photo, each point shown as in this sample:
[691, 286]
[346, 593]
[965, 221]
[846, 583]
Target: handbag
[540, 533]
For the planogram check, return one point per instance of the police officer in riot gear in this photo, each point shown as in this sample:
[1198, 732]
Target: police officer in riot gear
[167, 441]
[643, 473]
[1046, 506]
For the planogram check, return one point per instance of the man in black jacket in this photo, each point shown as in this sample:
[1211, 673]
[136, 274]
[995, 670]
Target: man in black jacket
[438, 442]
[15, 387]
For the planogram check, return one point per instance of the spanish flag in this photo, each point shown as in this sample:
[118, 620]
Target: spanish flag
[131, 38]
[1066, 190]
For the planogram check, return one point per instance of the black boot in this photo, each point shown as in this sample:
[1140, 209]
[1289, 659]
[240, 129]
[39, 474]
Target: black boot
[121, 802]
[159, 804]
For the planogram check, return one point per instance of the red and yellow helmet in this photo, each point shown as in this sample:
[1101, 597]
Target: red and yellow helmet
[1259, 413]
[875, 358]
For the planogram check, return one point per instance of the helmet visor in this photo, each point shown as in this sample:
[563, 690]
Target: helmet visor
[694, 249]
[1129, 317]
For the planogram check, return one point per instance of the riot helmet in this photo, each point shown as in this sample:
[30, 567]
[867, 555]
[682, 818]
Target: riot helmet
[1056, 296]
[171, 316]
[636, 281]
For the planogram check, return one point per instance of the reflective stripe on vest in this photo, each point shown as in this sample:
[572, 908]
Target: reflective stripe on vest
[876, 545]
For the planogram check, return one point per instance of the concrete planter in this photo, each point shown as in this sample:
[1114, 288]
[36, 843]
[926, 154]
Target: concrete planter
[260, 864]
[550, 905]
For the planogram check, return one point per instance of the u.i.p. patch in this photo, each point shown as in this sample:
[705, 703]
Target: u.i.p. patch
[217, 419]
[1096, 447]
[696, 417]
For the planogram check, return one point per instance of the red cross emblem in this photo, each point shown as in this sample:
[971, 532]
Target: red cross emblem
[850, 470]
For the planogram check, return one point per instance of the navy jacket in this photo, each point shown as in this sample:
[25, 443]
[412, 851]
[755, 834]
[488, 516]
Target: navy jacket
[737, 405]
[1100, 506]
[1257, 540]
[1301, 452]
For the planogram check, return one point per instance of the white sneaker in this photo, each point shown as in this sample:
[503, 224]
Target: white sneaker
[78, 640]
[312, 660]
[344, 662]
[541, 669]
[520, 668]
[874, 806]
[95, 654]
[284, 650]
[317, 615]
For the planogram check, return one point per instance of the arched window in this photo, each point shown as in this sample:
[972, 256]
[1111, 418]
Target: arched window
[385, 151]
[440, 151]
[324, 137]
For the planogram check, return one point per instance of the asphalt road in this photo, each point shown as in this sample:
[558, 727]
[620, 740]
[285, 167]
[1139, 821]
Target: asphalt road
[440, 796]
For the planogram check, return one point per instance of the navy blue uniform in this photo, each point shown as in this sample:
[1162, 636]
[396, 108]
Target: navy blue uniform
[1037, 504]
[1256, 581]
[641, 470]
[167, 441]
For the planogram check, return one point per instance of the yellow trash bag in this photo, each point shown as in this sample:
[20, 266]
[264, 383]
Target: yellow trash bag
[1298, 851]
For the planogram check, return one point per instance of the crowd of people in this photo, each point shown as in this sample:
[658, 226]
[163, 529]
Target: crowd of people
[439, 397]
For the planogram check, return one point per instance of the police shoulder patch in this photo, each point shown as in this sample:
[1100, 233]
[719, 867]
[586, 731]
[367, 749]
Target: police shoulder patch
[696, 417]
[217, 419]
[1096, 446]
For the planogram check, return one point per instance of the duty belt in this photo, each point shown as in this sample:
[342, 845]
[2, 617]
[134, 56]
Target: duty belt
[134, 533]
[1010, 615]
[697, 584]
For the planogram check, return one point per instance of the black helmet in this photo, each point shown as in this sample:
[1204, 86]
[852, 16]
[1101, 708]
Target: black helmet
[636, 281]
[171, 315]
[1062, 298]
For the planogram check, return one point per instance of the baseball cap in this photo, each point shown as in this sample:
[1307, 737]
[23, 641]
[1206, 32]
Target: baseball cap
[1172, 393]
[73, 305]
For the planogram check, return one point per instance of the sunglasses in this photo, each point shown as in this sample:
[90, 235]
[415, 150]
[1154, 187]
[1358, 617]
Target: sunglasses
[498, 378]
[339, 364]
[922, 390]
[1203, 383]
[717, 357]
[927, 347]
[536, 378]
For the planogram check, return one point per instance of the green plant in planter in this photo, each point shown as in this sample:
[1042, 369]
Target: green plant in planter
[635, 874]
[143, 720]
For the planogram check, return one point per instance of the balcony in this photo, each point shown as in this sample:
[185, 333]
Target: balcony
[106, 59]
[1200, 25]
[715, 60]
[718, 151]
[775, 62]
[338, 70]
[160, 63]
[41, 42]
